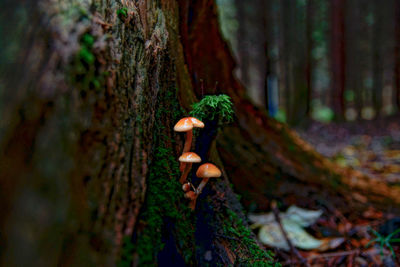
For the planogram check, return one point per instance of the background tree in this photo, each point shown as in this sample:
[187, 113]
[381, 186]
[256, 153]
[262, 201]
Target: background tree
[310, 59]
[88, 152]
[397, 54]
[338, 57]
[356, 55]
[377, 60]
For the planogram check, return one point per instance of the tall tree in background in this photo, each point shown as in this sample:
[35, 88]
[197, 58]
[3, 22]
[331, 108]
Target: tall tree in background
[261, 52]
[354, 62]
[294, 59]
[271, 45]
[397, 54]
[242, 41]
[377, 56]
[286, 21]
[251, 35]
[338, 57]
[268, 32]
[310, 59]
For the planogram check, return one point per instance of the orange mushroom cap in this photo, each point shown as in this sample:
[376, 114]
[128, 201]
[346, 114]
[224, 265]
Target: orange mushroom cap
[187, 124]
[189, 157]
[208, 170]
[183, 125]
[196, 122]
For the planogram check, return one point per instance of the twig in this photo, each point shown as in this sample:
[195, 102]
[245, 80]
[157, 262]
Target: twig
[294, 251]
[334, 254]
[228, 237]
[325, 255]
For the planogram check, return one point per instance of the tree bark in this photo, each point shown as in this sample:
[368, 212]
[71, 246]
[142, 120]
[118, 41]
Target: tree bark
[397, 55]
[89, 172]
[242, 45]
[377, 57]
[309, 58]
[88, 153]
[338, 57]
[294, 58]
[355, 65]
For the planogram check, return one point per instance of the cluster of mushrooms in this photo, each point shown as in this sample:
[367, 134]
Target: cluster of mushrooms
[205, 171]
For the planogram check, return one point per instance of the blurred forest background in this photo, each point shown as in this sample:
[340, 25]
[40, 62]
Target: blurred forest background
[325, 60]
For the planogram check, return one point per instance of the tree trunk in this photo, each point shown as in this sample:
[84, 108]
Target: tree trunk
[88, 153]
[397, 55]
[287, 19]
[338, 57]
[242, 45]
[355, 67]
[309, 58]
[295, 61]
[377, 57]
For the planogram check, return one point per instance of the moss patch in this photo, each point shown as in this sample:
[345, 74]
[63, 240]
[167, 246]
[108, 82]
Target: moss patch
[164, 198]
[128, 249]
[241, 239]
[122, 13]
[214, 107]
[85, 70]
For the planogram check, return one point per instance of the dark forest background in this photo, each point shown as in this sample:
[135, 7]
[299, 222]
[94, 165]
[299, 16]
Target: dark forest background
[326, 60]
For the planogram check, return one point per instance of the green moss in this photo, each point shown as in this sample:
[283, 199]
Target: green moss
[214, 107]
[164, 197]
[241, 239]
[122, 13]
[87, 40]
[84, 70]
[128, 249]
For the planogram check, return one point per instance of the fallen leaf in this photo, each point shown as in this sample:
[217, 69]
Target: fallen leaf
[330, 243]
[271, 235]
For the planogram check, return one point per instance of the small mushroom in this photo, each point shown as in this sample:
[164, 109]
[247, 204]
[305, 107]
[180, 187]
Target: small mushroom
[188, 158]
[186, 187]
[186, 125]
[192, 197]
[196, 122]
[206, 171]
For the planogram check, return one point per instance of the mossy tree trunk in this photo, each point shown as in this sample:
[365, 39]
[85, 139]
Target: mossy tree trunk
[90, 91]
[89, 172]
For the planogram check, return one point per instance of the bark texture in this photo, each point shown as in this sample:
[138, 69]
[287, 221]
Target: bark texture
[88, 154]
[89, 172]
[338, 58]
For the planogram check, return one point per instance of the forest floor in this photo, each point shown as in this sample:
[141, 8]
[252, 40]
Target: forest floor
[372, 147]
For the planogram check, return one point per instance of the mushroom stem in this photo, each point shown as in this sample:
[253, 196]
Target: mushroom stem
[191, 195]
[201, 185]
[192, 203]
[186, 148]
[188, 141]
[182, 166]
[185, 173]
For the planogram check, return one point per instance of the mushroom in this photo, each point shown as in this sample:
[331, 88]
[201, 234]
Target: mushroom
[186, 187]
[192, 197]
[206, 171]
[188, 158]
[186, 125]
[196, 122]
